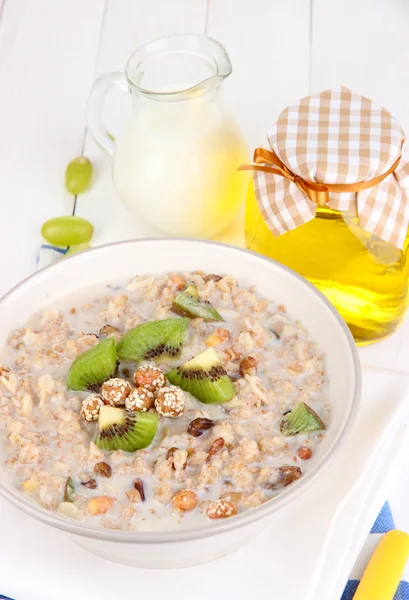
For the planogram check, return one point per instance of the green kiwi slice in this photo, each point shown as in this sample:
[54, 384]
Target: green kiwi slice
[205, 378]
[154, 340]
[301, 419]
[128, 431]
[93, 367]
[188, 304]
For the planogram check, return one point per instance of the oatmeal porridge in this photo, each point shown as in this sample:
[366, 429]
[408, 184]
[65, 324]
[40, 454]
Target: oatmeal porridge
[161, 402]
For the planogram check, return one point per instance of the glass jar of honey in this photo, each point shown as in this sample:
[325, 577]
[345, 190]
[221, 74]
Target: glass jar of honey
[364, 277]
[353, 246]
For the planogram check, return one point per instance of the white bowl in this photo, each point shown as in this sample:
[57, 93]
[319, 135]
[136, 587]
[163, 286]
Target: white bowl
[122, 260]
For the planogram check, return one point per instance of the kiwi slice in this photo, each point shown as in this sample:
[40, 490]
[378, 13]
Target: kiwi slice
[128, 431]
[205, 378]
[188, 304]
[301, 419]
[93, 367]
[154, 340]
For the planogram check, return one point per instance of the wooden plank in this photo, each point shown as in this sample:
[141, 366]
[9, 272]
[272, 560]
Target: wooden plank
[46, 66]
[365, 46]
[268, 43]
[126, 26]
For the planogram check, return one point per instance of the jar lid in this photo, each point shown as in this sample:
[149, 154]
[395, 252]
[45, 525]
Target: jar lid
[335, 138]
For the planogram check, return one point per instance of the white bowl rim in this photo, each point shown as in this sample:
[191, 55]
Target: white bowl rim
[222, 526]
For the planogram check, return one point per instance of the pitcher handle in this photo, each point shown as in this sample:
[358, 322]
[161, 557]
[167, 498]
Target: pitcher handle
[95, 102]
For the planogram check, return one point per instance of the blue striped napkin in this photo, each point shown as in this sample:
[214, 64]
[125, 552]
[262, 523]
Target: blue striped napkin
[382, 525]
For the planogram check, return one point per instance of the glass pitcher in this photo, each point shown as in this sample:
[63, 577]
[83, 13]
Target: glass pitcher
[175, 162]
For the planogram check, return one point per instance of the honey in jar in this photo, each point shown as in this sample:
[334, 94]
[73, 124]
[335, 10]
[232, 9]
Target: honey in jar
[331, 201]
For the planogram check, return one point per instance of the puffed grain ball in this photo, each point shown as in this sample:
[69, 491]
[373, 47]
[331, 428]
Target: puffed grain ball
[150, 378]
[91, 407]
[170, 402]
[139, 399]
[184, 501]
[221, 509]
[115, 391]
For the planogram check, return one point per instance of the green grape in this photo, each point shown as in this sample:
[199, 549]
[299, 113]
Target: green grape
[67, 231]
[78, 175]
[76, 249]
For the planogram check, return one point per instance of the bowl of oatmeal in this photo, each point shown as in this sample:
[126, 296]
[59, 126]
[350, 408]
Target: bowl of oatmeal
[162, 400]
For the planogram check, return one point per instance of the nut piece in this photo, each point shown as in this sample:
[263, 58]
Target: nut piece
[91, 484]
[218, 336]
[102, 469]
[288, 474]
[215, 448]
[138, 485]
[178, 281]
[170, 402]
[184, 501]
[4, 370]
[212, 277]
[221, 509]
[115, 391]
[91, 407]
[304, 453]
[68, 509]
[248, 366]
[100, 505]
[139, 399]
[150, 378]
[198, 426]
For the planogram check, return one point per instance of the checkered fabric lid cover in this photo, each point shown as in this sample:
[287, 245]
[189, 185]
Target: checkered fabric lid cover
[338, 137]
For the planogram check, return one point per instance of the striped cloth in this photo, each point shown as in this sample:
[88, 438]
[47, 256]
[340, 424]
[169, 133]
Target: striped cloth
[382, 525]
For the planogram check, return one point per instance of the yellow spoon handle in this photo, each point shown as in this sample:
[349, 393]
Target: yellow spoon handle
[384, 571]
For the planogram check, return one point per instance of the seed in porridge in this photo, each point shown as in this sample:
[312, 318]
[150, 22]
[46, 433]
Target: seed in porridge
[69, 490]
[94, 366]
[126, 372]
[188, 304]
[107, 330]
[221, 509]
[150, 378]
[248, 366]
[205, 378]
[100, 505]
[185, 501]
[301, 419]
[212, 277]
[102, 469]
[170, 402]
[4, 370]
[218, 337]
[91, 407]
[138, 485]
[139, 399]
[304, 453]
[198, 426]
[115, 391]
[91, 484]
[120, 430]
[217, 445]
[154, 340]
